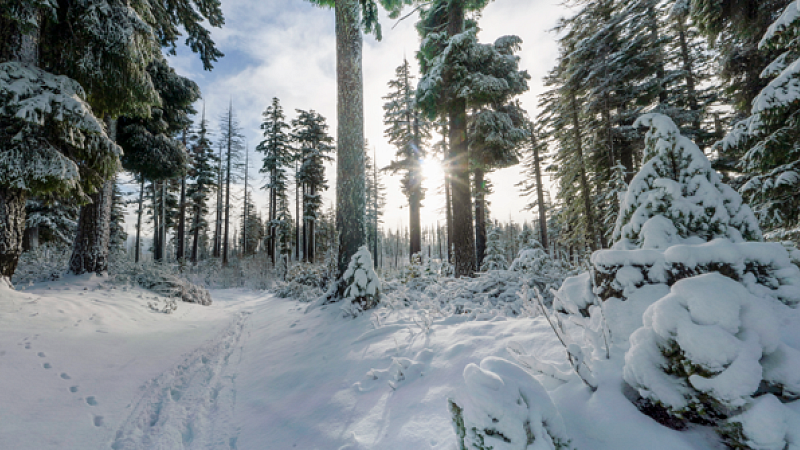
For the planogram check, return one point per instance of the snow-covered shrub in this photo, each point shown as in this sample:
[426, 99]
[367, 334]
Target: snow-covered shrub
[707, 349]
[304, 282]
[495, 255]
[531, 260]
[160, 278]
[363, 287]
[766, 425]
[505, 408]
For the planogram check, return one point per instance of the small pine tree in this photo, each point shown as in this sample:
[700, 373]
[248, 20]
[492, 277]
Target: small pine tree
[677, 182]
[495, 256]
[362, 285]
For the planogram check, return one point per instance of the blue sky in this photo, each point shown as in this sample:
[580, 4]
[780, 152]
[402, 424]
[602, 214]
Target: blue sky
[286, 49]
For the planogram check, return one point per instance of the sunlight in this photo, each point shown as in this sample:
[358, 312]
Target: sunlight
[432, 171]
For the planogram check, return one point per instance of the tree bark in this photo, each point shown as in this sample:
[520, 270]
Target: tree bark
[180, 253]
[463, 234]
[587, 193]
[90, 251]
[227, 190]
[12, 230]
[139, 220]
[350, 199]
[480, 217]
[540, 195]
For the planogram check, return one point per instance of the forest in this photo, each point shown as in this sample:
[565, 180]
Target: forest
[252, 293]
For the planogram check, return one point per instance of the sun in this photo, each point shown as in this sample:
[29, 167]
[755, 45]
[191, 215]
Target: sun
[432, 170]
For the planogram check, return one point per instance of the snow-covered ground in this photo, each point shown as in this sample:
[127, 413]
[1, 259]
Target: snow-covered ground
[83, 366]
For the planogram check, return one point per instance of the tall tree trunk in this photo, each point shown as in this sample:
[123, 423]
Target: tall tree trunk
[180, 253]
[585, 191]
[448, 211]
[227, 190]
[688, 66]
[539, 195]
[139, 221]
[273, 244]
[375, 208]
[463, 234]
[12, 230]
[164, 220]
[90, 250]
[296, 215]
[218, 217]
[480, 216]
[311, 250]
[196, 233]
[350, 201]
[156, 224]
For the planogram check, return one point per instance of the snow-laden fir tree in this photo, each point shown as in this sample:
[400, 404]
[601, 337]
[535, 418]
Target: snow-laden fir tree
[505, 407]
[495, 255]
[251, 231]
[708, 345]
[278, 153]
[50, 220]
[408, 130]
[676, 182]
[362, 285]
[768, 138]
[118, 238]
[310, 134]
[458, 73]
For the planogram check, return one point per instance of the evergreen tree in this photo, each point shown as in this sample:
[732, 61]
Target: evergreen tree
[203, 173]
[310, 132]
[533, 167]
[376, 202]
[50, 220]
[453, 79]
[407, 130]
[252, 230]
[495, 255]
[277, 151]
[676, 195]
[231, 140]
[118, 236]
[768, 138]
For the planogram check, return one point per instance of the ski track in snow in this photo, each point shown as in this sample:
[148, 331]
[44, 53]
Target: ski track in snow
[190, 406]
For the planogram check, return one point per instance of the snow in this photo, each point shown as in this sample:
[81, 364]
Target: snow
[86, 366]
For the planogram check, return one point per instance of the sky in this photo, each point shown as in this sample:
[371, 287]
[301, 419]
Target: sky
[286, 49]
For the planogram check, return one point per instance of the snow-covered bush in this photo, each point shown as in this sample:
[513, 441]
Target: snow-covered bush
[532, 260]
[707, 349]
[47, 262]
[766, 425]
[362, 285]
[505, 408]
[160, 278]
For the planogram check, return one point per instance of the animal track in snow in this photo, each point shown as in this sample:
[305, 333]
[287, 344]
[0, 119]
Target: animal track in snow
[98, 421]
[65, 376]
[91, 401]
[72, 389]
[41, 354]
[47, 366]
[27, 346]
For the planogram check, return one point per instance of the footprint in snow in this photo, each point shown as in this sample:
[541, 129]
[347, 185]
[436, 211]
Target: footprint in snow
[65, 376]
[91, 401]
[41, 354]
[73, 389]
[98, 421]
[27, 346]
[47, 366]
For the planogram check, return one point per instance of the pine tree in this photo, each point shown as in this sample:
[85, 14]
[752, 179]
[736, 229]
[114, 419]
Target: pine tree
[231, 140]
[495, 258]
[310, 133]
[453, 80]
[118, 236]
[202, 172]
[50, 220]
[407, 130]
[533, 166]
[278, 152]
[768, 138]
[376, 202]
[252, 230]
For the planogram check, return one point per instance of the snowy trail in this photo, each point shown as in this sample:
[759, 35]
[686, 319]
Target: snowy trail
[190, 406]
